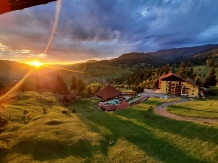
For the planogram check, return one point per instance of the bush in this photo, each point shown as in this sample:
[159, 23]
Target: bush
[213, 91]
[149, 113]
[65, 111]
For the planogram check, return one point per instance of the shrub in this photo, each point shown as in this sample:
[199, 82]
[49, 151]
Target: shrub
[149, 113]
[73, 111]
[213, 91]
[65, 111]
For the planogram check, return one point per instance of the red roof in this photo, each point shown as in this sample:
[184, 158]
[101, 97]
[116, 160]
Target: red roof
[172, 74]
[70, 96]
[108, 108]
[167, 75]
[122, 106]
[108, 92]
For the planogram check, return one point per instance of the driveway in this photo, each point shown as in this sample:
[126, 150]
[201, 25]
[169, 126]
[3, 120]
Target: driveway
[161, 110]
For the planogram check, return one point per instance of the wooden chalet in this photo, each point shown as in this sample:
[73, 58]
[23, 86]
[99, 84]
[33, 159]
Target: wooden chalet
[175, 85]
[66, 99]
[107, 93]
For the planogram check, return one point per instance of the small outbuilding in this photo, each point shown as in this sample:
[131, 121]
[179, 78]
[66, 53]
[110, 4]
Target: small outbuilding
[66, 99]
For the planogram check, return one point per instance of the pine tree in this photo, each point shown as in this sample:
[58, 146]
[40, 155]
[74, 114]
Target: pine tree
[173, 70]
[197, 80]
[210, 61]
[210, 79]
[191, 71]
[80, 86]
[181, 72]
[73, 83]
[61, 87]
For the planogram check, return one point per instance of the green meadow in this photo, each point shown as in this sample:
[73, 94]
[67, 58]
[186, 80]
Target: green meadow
[105, 70]
[202, 70]
[201, 109]
[91, 135]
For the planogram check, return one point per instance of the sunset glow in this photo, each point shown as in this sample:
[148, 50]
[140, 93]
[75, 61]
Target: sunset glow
[36, 63]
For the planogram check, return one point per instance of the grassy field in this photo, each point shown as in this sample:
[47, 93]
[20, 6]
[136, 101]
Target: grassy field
[98, 72]
[90, 135]
[203, 109]
[202, 70]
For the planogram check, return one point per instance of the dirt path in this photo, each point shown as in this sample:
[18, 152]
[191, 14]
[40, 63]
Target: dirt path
[161, 110]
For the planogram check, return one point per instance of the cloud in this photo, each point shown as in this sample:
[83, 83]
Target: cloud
[98, 29]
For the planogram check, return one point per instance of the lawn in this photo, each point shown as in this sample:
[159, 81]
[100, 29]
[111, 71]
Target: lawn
[203, 109]
[106, 70]
[202, 70]
[91, 135]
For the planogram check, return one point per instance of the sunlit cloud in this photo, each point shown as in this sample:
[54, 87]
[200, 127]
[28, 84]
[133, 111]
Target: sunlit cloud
[25, 51]
[105, 29]
[42, 55]
[3, 47]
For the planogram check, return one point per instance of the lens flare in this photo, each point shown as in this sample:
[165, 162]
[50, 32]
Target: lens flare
[81, 72]
[36, 63]
[17, 86]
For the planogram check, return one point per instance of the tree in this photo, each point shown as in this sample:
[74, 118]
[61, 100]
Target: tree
[80, 86]
[93, 88]
[173, 70]
[210, 79]
[73, 83]
[210, 61]
[155, 83]
[197, 80]
[181, 72]
[191, 71]
[61, 87]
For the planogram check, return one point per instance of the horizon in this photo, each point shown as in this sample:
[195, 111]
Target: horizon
[104, 29]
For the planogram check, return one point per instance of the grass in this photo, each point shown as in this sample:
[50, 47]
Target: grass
[202, 109]
[202, 70]
[106, 70]
[90, 135]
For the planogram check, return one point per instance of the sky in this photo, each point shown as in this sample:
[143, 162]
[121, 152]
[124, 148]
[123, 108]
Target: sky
[104, 29]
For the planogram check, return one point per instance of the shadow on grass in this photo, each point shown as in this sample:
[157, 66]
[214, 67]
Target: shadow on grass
[140, 136]
[177, 107]
[45, 150]
[189, 130]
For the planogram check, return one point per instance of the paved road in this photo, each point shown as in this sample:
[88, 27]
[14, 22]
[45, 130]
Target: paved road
[161, 110]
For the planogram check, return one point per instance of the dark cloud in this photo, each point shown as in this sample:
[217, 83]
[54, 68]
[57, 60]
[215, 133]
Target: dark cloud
[98, 29]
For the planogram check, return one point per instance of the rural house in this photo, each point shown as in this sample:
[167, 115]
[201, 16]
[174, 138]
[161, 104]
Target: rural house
[66, 99]
[107, 93]
[175, 85]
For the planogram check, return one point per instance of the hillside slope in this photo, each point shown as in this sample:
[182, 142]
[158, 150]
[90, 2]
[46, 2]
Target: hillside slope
[163, 56]
[91, 135]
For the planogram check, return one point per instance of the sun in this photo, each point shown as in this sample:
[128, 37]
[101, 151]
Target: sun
[36, 63]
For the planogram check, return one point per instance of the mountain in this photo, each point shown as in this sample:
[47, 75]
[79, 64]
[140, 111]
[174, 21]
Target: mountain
[201, 57]
[11, 70]
[163, 56]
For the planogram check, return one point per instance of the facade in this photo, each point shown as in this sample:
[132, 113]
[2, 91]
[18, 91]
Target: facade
[175, 85]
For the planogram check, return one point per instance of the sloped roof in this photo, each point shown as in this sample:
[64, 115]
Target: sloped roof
[11, 5]
[69, 96]
[108, 92]
[108, 108]
[122, 106]
[170, 74]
